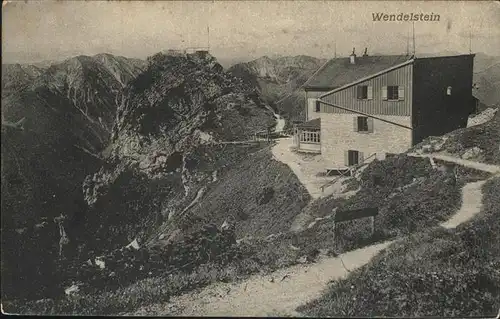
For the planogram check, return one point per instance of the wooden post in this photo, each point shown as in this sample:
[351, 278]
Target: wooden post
[333, 232]
[372, 222]
[298, 132]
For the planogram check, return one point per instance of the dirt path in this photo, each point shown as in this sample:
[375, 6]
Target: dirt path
[281, 292]
[472, 195]
[306, 167]
[494, 169]
[258, 296]
[472, 201]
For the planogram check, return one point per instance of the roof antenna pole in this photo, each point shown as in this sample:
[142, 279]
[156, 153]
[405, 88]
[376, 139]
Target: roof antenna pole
[208, 38]
[414, 51]
[335, 48]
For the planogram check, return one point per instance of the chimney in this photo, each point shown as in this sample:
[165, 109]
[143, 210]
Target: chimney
[366, 52]
[353, 57]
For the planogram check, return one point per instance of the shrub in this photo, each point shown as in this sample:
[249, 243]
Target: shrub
[265, 196]
[394, 172]
[351, 184]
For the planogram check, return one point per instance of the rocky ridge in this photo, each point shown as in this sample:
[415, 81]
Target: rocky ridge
[162, 154]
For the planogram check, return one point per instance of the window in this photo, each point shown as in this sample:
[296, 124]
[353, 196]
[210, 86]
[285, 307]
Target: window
[362, 124]
[364, 92]
[318, 106]
[352, 157]
[393, 93]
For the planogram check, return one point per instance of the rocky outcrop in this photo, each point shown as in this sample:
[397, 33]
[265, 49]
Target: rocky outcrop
[155, 165]
[176, 99]
[479, 142]
[483, 117]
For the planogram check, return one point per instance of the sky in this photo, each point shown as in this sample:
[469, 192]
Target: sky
[242, 30]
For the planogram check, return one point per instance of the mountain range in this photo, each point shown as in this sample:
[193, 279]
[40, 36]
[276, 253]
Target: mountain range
[116, 145]
[279, 81]
[68, 111]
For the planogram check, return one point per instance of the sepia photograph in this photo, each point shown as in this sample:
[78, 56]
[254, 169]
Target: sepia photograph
[250, 158]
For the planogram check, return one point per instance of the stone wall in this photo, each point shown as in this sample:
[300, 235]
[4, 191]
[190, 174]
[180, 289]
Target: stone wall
[338, 136]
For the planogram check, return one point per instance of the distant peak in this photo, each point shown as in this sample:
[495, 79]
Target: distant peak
[104, 54]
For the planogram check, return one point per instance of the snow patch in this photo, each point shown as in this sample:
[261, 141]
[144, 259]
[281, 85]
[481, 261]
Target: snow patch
[184, 176]
[100, 262]
[482, 117]
[72, 290]
[205, 137]
[134, 244]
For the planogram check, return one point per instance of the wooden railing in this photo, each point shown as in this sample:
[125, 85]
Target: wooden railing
[357, 166]
[268, 136]
[334, 180]
[350, 171]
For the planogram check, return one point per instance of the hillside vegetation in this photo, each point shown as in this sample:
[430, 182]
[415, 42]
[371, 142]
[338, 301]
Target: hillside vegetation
[435, 273]
[201, 253]
[260, 225]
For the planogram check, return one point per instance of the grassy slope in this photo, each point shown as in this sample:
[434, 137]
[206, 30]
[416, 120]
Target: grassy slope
[262, 194]
[265, 215]
[405, 206]
[437, 273]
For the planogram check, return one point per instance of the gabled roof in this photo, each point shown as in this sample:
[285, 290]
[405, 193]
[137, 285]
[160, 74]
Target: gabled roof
[339, 72]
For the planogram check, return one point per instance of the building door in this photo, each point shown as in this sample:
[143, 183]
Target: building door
[352, 158]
